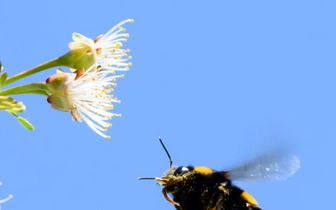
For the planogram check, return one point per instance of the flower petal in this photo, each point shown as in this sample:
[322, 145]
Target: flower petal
[80, 41]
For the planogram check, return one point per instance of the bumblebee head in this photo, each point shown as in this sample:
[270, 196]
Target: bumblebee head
[182, 170]
[174, 175]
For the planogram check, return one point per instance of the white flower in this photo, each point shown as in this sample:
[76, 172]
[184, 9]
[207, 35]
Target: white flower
[5, 199]
[87, 95]
[107, 48]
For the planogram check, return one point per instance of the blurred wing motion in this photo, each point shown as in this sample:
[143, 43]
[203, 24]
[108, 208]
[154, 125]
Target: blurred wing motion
[274, 166]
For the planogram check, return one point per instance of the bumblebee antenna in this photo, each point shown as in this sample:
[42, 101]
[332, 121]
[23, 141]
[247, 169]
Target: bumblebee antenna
[146, 178]
[170, 165]
[170, 160]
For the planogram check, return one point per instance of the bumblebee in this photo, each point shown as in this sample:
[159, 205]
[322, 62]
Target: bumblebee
[202, 188]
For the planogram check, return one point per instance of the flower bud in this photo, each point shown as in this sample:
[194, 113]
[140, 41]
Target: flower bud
[57, 82]
[60, 103]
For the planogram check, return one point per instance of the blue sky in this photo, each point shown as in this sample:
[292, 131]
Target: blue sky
[220, 81]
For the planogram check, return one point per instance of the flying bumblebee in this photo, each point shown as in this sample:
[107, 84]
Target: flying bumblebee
[202, 188]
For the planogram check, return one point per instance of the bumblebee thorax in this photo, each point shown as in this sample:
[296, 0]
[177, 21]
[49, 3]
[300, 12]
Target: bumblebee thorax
[203, 170]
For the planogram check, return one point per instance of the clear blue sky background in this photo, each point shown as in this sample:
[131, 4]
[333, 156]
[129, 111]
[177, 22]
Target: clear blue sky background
[219, 81]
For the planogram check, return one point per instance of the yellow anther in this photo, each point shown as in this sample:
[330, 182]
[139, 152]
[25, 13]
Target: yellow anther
[126, 67]
[98, 51]
[130, 20]
[115, 84]
[98, 38]
[10, 196]
[118, 45]
[130, 57]
[122, 76]
[130, 64]
[127, 35]
[108, 137]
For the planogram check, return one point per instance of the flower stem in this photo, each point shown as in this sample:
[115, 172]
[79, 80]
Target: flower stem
[49, 64]
[33, 88]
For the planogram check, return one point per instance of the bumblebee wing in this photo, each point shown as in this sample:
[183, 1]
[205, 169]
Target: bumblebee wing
[273, 166]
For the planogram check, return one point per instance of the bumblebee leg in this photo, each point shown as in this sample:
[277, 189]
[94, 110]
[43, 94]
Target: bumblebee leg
[79, 73]
[220, 187]
[164, 192]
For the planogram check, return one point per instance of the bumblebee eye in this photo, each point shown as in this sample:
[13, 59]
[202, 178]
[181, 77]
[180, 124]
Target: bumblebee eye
[181, 170]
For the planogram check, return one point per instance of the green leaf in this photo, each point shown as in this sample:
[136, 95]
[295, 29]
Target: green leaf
[5, 102]
[25, 123]
[3, 78]
[39, 88]
[10, 105]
